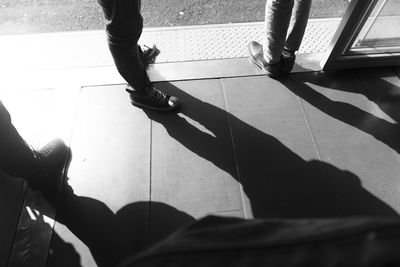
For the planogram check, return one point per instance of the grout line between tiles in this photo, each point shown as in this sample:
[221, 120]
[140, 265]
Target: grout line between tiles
[309, 128]
[234, 149]
[315, 145]
[76, 107]
[150, 179]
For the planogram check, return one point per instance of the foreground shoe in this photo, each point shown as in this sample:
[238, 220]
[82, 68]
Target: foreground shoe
[287, 61]
[148, 55]
[153, 99]
[47, 176]
[257, 57]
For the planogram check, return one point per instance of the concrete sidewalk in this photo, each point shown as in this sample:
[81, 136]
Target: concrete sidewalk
[177, 44]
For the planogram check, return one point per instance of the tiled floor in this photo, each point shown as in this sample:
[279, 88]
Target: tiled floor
[312, 145]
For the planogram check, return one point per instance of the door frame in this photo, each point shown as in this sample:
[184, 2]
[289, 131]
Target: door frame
[337, 56]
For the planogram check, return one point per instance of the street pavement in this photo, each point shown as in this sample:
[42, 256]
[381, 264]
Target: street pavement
[35, 16]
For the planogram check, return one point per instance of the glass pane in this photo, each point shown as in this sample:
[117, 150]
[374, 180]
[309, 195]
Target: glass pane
[381, 32]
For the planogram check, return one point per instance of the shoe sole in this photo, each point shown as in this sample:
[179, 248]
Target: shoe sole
[262, 67]
[140, 105]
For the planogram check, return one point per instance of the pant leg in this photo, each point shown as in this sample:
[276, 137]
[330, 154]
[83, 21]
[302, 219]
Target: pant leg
[298, 23]
[277, 18]
[16, 157]
[124, 27]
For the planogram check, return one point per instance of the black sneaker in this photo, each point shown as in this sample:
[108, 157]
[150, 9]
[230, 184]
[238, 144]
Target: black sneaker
[257, 57]
[287, 61]
[148, 55]
[153, 99]
[50, 161]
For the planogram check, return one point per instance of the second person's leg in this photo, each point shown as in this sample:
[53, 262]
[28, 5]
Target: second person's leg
[297, 27]
[277, 18]
[268, 56]
[298, 23]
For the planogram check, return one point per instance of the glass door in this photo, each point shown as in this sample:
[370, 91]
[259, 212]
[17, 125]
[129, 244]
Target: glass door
[368, 35]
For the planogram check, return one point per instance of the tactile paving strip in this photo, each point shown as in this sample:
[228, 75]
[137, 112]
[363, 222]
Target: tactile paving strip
[177, 44]
[227, 40]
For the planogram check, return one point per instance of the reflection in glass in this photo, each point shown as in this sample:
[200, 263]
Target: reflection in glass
[381, 32]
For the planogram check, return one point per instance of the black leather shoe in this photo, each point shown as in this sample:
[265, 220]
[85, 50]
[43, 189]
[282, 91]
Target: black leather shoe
[287, 61]
[48, 174]
[257, 57]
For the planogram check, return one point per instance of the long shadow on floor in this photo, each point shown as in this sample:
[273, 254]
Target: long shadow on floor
[277, 181]
[384, 94]
[112, 236]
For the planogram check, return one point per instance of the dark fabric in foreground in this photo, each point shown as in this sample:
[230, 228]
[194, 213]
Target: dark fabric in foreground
[219, 241]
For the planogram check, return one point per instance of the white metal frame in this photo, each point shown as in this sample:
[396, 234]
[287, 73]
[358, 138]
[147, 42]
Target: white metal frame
[337, 56]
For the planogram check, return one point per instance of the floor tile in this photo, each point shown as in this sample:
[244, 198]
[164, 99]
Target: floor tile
[349, 136]
[110, 148]
[193, 165]
[278, 164]
[109, 173]
[383, 89]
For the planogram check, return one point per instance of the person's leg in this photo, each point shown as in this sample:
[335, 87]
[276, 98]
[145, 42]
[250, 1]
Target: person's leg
[298, 23]
[124, 27]
[277, 18]
[41, 169]
[16, 157]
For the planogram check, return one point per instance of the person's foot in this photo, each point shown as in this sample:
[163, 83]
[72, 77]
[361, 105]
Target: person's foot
[257, 57]
[287, 61]
[148, 55]
[47, 176]
[153, 99]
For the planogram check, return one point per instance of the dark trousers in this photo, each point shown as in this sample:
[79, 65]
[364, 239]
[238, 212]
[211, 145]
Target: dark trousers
[124, 27]
[16, 157]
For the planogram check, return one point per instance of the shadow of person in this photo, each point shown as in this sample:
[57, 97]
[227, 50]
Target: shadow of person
[112, 236]
[277, 182]
[386, 97]
[386, 92]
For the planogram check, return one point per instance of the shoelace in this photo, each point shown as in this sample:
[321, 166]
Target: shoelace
[147, 52]
[158, 97]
